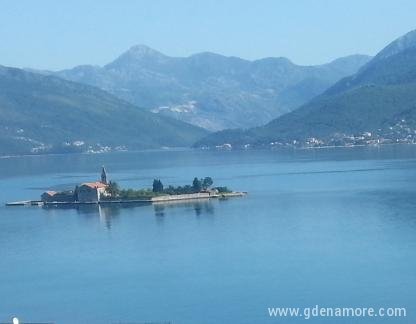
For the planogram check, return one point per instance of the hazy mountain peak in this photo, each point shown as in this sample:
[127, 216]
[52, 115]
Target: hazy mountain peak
[141, 50]
[280, 60]
[400, 44]
[212, 90]
[352, 59]
[350, 62]
[207, 53]
[137, 54]
[211, 58]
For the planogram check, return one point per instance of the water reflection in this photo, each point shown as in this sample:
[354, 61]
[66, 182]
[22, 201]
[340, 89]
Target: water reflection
[107, 213]
[199, 206]
[159, 210]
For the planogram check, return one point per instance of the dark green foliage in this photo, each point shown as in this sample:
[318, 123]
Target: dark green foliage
[51, 114]
[130, 194]
[157, 185]
[180, 190]
[222, 189]
[113, 189]
[197, 185]
[207, 182]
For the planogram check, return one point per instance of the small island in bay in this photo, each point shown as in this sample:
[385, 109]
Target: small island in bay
[109, 192]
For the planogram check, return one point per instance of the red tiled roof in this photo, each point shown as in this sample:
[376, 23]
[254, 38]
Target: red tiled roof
[94, 185]
[51, 193]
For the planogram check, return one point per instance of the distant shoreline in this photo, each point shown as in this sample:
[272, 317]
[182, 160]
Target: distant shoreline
[180, 149]
[282, 148]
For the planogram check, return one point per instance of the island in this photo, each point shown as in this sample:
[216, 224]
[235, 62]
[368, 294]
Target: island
[106, 191]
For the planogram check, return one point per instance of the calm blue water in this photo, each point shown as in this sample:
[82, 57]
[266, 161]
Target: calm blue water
[325, 227]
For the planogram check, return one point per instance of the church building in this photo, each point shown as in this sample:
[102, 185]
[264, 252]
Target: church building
[93, 191]
[88, 192]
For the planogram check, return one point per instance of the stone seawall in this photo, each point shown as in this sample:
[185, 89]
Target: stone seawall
[158, 199]
[201, 195]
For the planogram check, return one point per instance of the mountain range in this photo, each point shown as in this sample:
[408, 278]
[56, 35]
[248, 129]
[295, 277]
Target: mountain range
[211, 90]
[375, 105]
[48, 114]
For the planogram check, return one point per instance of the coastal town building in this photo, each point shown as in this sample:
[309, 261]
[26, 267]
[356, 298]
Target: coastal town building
[91, 192]
[61, 196]
[83, 193]
[48, 196]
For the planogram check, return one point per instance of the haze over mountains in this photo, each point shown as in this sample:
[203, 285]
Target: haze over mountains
[42, 114]
[375, 105]
[210, 90]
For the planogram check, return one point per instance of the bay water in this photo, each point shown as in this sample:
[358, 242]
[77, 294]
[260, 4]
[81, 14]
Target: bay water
[326, 227]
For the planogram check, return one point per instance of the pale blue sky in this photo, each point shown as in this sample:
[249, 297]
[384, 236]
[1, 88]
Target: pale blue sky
[51, 34]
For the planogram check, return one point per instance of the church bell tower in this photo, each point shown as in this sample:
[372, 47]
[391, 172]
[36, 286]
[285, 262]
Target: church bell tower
[103, 175]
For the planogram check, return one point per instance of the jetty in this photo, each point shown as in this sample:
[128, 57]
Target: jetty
[25, 203]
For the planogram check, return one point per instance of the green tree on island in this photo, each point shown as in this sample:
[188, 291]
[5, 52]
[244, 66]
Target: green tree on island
[207, 182]
[158, 189]
[157, 185]
[113, 189]
[196, 185]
